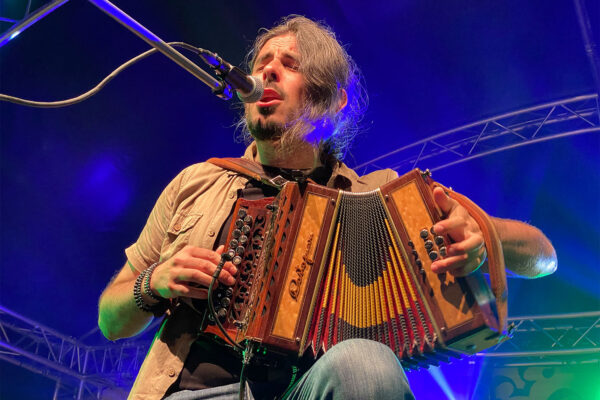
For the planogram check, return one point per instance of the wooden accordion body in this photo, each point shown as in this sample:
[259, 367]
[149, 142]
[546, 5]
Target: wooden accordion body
[318, 266]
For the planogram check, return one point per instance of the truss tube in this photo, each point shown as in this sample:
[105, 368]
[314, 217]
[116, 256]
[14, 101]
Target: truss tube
[513, 146]
[584, 314]
[41, 360]
[481, 122]
[35, 325]
[588, 42]
[541, 353]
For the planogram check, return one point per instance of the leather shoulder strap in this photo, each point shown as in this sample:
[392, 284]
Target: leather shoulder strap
[248, 168]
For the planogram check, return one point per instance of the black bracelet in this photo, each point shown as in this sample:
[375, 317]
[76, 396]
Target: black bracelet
[137, 292]
[143, 278]
[147, 291]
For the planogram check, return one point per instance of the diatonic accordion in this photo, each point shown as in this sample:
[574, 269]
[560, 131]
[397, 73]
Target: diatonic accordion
[318, 266]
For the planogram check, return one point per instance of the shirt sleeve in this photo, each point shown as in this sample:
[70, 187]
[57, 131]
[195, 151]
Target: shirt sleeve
[146, 250]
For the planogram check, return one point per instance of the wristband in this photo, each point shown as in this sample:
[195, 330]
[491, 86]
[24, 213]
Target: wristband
[147, 291]
[144, 279]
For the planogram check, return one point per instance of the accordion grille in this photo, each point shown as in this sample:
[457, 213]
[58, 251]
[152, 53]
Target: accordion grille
[368, 290]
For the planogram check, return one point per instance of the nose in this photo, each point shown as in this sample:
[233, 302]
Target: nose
[271, 72]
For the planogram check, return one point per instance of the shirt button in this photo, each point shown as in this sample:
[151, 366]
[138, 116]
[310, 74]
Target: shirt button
[177, 227]
[171, 372]
[211, 233]
[231, 195]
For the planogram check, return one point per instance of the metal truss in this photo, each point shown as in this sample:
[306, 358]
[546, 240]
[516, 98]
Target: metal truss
[536, 124]
[80, 371]
[107, 371]
[561, 339]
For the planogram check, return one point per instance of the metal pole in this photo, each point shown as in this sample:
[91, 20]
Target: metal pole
[29, 20]
[219, 88]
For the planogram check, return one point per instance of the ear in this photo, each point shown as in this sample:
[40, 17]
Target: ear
[343, 100]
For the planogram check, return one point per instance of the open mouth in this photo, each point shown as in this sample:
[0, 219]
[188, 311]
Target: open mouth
[270, 97]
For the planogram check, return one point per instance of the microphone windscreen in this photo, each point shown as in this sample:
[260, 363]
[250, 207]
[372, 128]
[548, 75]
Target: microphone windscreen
[253, 95]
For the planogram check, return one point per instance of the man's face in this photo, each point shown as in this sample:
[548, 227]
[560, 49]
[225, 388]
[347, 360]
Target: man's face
[277, 65]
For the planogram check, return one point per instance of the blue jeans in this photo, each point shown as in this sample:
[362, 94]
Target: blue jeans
[354, 369]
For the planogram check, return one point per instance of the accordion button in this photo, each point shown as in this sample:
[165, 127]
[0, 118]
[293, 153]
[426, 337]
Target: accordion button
[239, 250]
[239, 223]
[243, 239]
[225, 301]
[411, 244]
[443, 251]
[233, 243]
[415, 254]
[245, 229]
[248, 219]
[237, 260]
[221, 313]
[231, 253]
[229, 292]
[433, 255]
[419, 263]
[236, 233]
[424, 233]
[428, 245]
[242, 213]
[439, 240]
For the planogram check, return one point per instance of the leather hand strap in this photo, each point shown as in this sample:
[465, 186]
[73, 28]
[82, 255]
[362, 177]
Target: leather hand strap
[493, 245]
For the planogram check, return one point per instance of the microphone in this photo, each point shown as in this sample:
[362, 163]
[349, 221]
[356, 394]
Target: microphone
[249, 88]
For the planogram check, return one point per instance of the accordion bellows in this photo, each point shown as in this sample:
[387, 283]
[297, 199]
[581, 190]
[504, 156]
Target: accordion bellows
[318, 266]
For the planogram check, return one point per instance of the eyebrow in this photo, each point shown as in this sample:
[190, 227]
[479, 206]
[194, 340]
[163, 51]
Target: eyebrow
[268, 55]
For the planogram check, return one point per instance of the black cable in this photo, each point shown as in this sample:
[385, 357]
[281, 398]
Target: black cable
[95, 89]
[246, 356]
[211, 307]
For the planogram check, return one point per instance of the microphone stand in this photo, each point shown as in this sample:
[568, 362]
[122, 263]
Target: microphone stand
[219, 88]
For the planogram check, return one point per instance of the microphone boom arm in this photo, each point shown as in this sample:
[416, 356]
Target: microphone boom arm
[219, 88]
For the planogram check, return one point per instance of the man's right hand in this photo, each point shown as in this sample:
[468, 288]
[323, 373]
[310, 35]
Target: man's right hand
[189, 273]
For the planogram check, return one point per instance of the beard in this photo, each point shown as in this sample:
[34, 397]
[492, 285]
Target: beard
[261, 130]
[290, 136]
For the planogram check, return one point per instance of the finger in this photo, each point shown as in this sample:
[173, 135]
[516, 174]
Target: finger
[444, 202]
[449, 264]
[447, 226]
[472, 244]
[226, 278]
[189, 291]
[229, 267]
[199, 252]
[190, 275]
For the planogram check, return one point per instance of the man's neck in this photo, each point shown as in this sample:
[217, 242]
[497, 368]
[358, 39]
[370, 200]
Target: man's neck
[303, 156]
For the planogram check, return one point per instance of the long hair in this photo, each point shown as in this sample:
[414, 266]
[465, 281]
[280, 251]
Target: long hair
[327, 68]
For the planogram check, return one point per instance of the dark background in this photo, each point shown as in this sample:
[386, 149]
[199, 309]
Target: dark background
[77, 183]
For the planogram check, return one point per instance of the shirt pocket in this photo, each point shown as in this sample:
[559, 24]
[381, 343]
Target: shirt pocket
[178, 233]
[182, 223]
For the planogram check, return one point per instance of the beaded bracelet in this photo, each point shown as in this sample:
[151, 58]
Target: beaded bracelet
[137, 292]
[144, 279]
[147, 291]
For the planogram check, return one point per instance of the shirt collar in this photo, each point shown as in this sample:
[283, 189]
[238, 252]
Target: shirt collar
[342, 177]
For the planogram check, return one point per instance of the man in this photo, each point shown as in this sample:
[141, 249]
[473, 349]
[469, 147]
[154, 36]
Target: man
[301, 125]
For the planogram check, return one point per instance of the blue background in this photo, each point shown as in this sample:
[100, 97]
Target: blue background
[77, 183]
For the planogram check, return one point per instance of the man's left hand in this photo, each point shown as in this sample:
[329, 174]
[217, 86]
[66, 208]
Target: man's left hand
[467, 253]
